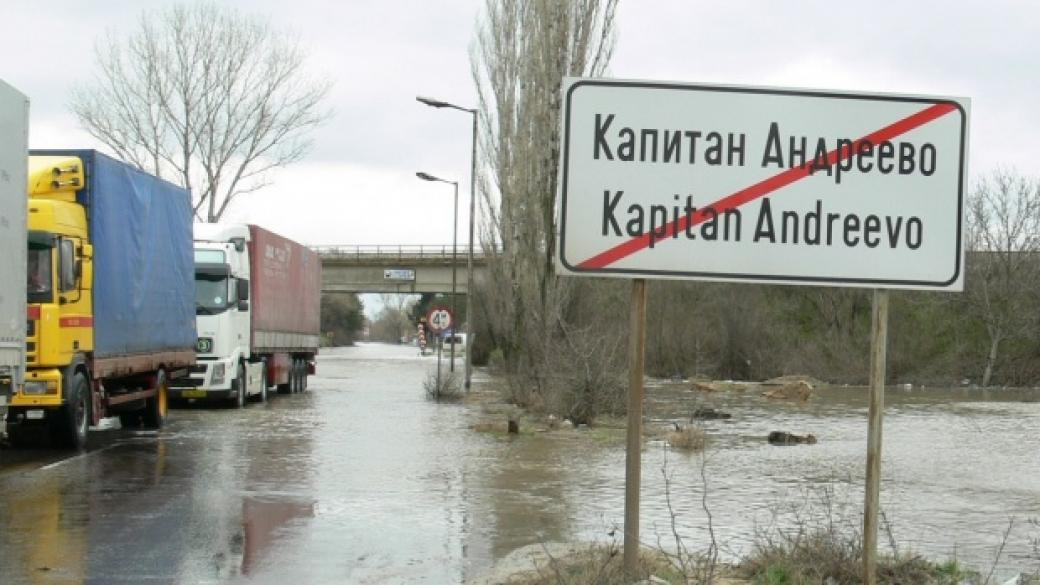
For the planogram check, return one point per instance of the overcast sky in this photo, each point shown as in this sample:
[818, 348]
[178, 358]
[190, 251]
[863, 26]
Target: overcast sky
[358, 185]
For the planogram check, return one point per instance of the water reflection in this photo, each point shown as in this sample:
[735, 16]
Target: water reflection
[262, 522]
[44, 535]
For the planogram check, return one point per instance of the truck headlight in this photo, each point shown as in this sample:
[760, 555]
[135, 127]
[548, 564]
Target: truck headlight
[218, 374]
[38, 386]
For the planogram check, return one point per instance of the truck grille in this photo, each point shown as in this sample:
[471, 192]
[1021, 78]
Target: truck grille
[187, 383]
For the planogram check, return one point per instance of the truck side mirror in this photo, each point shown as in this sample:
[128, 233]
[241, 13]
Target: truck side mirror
[243, 305]
[243, 289]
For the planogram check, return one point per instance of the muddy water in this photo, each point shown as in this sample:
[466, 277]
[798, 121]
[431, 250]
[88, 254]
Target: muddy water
[363, 480]
[430, 499]
[957, 465]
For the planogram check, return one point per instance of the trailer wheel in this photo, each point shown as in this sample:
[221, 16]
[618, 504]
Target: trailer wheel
[297, 376]
[69, 425]
[303, 375]
[154, 415]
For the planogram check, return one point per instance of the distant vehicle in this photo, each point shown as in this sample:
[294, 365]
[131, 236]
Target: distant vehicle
[460, 342]
[109, 319]
[258, 307]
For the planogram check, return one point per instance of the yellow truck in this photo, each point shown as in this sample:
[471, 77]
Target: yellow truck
[110, 291]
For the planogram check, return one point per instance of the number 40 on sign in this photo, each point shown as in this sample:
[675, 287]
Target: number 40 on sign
[440, 319]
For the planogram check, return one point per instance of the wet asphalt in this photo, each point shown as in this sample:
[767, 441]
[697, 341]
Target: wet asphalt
[307, 488]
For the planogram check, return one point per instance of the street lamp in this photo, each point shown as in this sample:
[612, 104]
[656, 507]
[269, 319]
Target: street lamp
[454, 264]
[472, 204]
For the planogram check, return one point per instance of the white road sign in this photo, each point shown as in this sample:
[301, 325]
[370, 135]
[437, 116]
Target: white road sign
[439, 319]
[662, 180]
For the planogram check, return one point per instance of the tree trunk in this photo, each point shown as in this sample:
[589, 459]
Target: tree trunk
[991, 359]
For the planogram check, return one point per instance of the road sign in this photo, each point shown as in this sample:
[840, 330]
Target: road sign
[399, 274]
[440, 319]
[665, 180]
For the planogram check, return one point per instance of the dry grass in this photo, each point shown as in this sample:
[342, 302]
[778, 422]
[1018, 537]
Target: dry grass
[831, 551]
[689, 438]
[599, 565]
[448, 389]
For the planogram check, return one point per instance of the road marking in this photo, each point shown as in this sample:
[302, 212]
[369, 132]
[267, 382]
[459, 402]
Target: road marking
[74, 457]
[762, 188]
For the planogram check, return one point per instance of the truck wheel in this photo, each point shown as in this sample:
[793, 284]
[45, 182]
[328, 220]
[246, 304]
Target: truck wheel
[69, 425]
[240, 381]
[297, 377]
[303, 375]
[154, 415]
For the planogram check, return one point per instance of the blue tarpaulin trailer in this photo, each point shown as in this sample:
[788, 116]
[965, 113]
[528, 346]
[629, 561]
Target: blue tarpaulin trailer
[144, 271]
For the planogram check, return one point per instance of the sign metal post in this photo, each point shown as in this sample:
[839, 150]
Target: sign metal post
[634, 433]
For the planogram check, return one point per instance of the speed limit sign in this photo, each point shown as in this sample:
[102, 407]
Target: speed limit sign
[440, 319]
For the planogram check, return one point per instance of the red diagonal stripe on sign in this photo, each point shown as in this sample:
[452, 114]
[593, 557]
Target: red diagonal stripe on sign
[764, 187]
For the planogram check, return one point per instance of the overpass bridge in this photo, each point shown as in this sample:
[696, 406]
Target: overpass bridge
[397, 269]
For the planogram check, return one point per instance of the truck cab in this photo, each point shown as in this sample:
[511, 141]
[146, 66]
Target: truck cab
[225, 368]
[60, 327]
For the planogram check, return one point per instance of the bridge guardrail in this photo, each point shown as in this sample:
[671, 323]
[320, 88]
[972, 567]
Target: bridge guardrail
[371, 251]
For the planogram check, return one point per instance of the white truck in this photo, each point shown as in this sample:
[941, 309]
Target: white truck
[258, 311]
[14, 134]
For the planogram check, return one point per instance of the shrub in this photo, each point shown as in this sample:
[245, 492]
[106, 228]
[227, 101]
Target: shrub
[689, 438]
[448, 389]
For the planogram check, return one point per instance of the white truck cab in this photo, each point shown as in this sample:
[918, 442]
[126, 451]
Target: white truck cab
[225, 369]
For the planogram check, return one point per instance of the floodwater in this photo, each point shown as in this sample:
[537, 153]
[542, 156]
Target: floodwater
[363, 480]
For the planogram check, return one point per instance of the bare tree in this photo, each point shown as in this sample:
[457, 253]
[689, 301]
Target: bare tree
[1003, 272]
[524, 49]
[206, 97]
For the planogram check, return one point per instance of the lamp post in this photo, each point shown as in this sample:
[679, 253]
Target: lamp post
[454, 252]
[472, 205]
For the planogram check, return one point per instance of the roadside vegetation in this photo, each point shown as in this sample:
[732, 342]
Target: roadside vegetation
[445, 387]
[561, 342]
[342, 317]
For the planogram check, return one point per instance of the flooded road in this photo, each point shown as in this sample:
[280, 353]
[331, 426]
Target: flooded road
[362, 480]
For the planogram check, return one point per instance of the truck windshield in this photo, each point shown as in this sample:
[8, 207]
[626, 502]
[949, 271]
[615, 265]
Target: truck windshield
[38, 284]
[211, 294]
